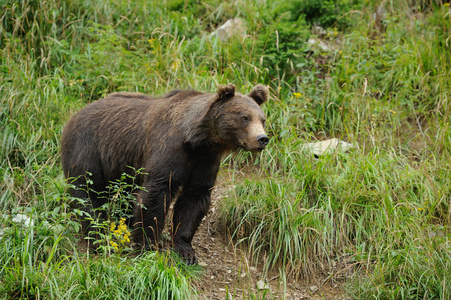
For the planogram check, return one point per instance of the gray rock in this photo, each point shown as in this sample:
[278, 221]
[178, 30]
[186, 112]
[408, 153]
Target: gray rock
[314, 43]
[328, 146]
[232, 27]
[318, 31]
[23, 219]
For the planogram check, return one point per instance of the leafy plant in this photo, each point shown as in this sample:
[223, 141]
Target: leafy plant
[326, 13]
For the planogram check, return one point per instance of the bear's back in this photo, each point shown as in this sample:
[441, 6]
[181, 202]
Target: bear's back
[129, 95]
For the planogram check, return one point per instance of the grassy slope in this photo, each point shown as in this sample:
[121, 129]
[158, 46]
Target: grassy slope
[384, 207]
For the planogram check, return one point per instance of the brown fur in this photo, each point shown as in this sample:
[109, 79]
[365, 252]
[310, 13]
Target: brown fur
[178, 140]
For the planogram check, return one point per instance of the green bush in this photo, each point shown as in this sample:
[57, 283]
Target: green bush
[326, 13]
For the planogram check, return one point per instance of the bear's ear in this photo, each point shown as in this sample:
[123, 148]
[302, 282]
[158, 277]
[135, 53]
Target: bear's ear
[226, 91]
[260, 94]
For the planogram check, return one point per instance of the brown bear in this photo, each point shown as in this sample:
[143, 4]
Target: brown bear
[178, 139]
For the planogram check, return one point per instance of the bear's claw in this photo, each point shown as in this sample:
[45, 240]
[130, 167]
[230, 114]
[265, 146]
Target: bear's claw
[186, 252]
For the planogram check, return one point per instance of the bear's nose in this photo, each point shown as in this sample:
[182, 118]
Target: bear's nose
[263, 140]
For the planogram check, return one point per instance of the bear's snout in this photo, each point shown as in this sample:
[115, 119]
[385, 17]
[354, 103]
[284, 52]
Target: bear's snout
[263, 140]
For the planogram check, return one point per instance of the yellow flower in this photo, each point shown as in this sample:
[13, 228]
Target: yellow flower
[446, 4]
[120, 234]
[297, 95]
[114, 245]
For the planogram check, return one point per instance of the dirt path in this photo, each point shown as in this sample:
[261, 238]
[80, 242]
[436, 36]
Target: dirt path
[228, 272]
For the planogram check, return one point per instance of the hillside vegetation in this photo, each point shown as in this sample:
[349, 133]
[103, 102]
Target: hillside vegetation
[380, 212]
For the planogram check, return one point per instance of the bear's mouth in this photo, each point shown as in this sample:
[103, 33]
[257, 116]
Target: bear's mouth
[251, 149]
[259, 149]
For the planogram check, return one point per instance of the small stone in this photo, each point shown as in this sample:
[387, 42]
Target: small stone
[313, 288]
[229, 271]
[23, 219]
[243, 275]
[222, 290]
[203, 264]
[253, 269]
[261, 285]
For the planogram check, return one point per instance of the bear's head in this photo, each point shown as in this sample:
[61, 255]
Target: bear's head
[238, 120]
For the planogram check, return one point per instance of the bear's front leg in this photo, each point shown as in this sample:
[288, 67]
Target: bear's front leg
[193, 203]
[189, 210]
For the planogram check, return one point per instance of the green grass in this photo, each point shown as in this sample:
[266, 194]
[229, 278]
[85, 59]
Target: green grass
[40, 267]
[383, 209]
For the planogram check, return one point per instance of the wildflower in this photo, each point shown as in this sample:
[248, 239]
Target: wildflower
[121, 234]
[297, 95]
[114, 245]
[446, 4]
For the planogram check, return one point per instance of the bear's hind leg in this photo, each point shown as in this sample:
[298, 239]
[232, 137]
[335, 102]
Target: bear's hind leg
[149, 216]
[88, 198]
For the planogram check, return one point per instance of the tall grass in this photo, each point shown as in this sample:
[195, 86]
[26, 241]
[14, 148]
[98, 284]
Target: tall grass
[383, 208]
[37, 267]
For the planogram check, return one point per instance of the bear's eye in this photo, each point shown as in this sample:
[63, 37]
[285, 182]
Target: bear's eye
[245, 118]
